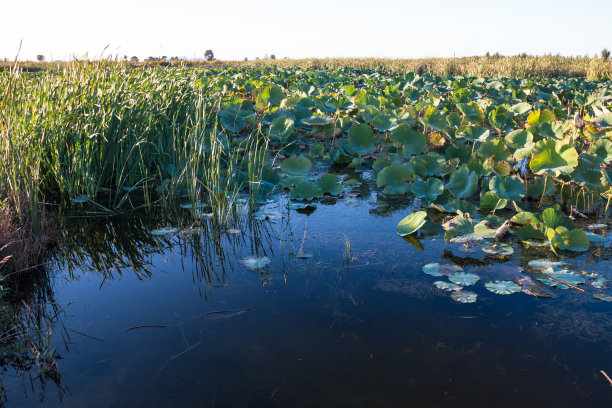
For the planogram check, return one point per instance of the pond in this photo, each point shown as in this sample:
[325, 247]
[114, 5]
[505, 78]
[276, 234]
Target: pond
[342, 315]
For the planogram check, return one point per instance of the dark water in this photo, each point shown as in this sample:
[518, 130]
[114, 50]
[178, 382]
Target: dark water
[316, 332]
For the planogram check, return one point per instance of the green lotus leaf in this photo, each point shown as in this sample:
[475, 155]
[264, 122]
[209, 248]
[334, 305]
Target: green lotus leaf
[270, 95]
[329, 184]
[491, 201]
[574, 240]
[520, 108]
[454, 120]
[460, 151]
[384, 122]
[500, 118]
[428, 189]
[472, 111]
[318, 120]
[450, 287]
[281, 129]
[430, 164]
[413, 141]
[296, 165]
[532, 231]
[462, 182]
[255, 262]
[495, 148]
[553, 157]
[395, 178]
[553, 218]
[502, 287]
[164, 231]
[540, 186]
[571, 278]
[317, 150]
[520, 142]
[524, 218]
[463, 278]
[361, 139]
[305, 191]
[509, 188]
[602, 149]
[501, 168]
[434, 120]
[604, 121]
[458, 226]
[464, 296]
[473, 133]
[552, 130]
[536, 118]
[586, 176]
[411, 223]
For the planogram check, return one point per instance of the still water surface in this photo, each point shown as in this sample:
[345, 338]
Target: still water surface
[178, 321]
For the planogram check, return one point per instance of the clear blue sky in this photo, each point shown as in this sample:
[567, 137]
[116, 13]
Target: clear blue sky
[235, 29]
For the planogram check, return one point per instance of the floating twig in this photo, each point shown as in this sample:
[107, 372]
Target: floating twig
[215, 312]
[146, 326]
[88, 336]
[565, 283]
[607, 377]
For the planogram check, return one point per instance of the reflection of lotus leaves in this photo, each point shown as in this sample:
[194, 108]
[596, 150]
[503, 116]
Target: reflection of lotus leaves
[255, 262]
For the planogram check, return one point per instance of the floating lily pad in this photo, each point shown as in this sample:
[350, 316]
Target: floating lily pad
[164, 231]
[447, 286]
[497, 249]
[255, 262]
[464, 296]
[463, 278]
[502, 287]
[80, 199]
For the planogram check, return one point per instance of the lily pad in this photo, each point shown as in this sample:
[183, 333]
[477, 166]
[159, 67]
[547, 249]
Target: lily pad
[255, 262]
[447, 286]
[502, 287]
[164, 231]
[464, 296]
[463, 278]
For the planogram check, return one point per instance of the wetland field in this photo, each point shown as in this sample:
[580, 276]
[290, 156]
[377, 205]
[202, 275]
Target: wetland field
[265, 235]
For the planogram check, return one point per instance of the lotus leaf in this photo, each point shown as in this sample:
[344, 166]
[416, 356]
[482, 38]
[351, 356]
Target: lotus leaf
[462, 182]
[329, 184]
[411, 223]
[255, 262]
[502, 287]
[413, 141]
[428, 189]
[553, 157]
[450, 287]
[463, 278]
[361, 139]
[495, 148]
[509, 188]
[464, 296]
[473, 133]
[296, 165]
[305, 191]
[395, 178]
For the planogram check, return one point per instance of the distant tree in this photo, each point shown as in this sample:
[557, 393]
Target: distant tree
[488, 54]
[245, 59]
[40, 57]
[134, 59]
[273, 56]
[605, 54]
[163, 58]
[209, 55]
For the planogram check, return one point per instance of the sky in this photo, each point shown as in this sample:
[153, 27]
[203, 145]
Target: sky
[235, 29]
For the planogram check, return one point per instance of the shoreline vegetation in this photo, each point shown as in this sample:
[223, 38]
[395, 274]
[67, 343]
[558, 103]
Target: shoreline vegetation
[521, 66]
[106, 134]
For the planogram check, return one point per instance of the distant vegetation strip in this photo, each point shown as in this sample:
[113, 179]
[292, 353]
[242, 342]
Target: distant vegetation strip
[593, 68]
